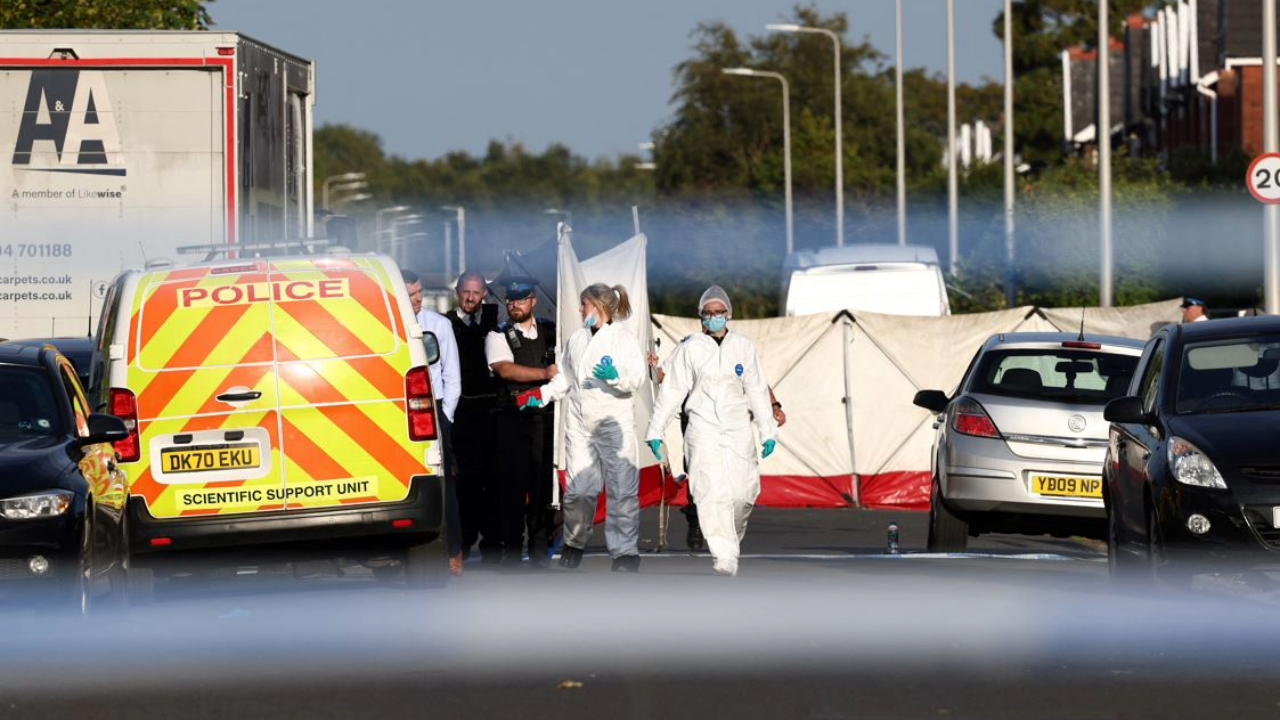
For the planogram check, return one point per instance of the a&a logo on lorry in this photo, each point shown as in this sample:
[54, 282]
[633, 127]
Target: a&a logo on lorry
[68, 125]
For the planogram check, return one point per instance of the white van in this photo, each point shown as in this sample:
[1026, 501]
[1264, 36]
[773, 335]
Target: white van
[887, 279]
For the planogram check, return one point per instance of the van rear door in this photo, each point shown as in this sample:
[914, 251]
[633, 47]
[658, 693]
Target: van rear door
[343, 356]
[201, 362]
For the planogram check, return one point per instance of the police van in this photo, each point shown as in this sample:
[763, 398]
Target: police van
[274, 401]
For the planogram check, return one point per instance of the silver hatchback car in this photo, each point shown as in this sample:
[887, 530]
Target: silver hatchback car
[1019, 447]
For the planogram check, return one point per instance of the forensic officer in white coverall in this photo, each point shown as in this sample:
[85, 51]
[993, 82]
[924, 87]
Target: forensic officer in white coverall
[601, 367]
[719, 372]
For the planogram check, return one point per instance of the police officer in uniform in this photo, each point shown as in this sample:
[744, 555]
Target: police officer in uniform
[475, 440]
[521, 354]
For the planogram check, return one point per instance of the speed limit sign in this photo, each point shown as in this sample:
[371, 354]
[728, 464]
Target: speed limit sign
[1264, 178]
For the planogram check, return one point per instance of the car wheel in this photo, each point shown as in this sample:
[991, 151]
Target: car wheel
[947, 533]
[426, 565]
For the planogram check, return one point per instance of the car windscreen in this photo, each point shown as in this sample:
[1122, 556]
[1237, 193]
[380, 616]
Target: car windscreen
[1236, 374]
[1077, 376]
[28, 405]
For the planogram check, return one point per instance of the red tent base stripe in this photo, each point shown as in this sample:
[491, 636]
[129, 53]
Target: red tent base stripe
[905, 490]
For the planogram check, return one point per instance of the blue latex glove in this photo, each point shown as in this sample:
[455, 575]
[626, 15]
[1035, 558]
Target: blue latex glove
[605, 372]
[656, 447]
[769, 445]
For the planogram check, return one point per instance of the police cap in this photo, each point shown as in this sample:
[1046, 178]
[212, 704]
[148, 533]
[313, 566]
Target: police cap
[519, 288]
[1189, 301]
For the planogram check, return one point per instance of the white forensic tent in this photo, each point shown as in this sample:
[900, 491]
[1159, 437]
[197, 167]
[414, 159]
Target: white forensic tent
[846, 382]
[625, 265]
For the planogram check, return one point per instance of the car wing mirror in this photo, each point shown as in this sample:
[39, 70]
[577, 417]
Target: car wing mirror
[934, 400]
[105, 428]
[1126, 409]
[432, 345]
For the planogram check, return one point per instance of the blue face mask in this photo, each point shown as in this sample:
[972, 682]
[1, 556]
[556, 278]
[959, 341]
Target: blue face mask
[714, 324]
[591, 321]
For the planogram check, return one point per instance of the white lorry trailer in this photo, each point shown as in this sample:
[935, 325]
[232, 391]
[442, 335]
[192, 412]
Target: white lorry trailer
[119, 148]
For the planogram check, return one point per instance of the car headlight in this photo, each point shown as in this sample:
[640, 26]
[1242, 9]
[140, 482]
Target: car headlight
[39, 505]
[1192, 467]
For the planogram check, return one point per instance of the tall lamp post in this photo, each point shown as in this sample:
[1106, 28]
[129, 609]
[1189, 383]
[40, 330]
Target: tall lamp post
[1011, 292]
[353, 180]
[839, 119]
[786, 138]
[398, 250]
[566, 214]
[1103, 136]
[1270, 143]
[902, 133]
[377, 221]
[460, 215]
[953, 181]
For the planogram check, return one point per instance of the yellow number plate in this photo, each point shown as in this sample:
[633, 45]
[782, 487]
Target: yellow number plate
[207, 458]
[1058, 486]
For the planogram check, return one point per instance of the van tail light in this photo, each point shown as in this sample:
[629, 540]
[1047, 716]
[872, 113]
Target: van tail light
[968, 418]
[125, 406]
[420, 405]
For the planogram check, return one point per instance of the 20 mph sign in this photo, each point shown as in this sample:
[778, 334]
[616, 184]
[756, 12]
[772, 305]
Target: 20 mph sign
[1264, 178]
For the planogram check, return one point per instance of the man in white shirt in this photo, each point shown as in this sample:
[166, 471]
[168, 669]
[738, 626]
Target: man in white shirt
[446, 385]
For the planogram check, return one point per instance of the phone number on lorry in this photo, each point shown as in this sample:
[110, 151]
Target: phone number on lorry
[57, 250]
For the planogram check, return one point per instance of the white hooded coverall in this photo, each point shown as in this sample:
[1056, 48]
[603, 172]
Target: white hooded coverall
[722, 382]
[600, 437]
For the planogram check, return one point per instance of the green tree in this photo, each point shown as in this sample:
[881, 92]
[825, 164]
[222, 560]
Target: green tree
[726, 137]
[105, 14]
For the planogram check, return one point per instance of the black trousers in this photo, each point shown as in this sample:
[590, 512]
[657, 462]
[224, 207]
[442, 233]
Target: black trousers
[475, 452]
[452, 522]
[524, 495]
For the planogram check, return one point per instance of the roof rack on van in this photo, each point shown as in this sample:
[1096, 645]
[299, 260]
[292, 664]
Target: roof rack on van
[214, 250]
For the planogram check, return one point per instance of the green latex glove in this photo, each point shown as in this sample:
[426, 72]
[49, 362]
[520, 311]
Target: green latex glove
[656, 447]
[605, 372]
[769, 445]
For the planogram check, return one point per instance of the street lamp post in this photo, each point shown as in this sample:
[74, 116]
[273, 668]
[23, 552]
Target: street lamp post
[355, 180]
[460, 214]
[399, 251]
[377, 222]
[567, 214]
[839, 120]
[1011, 292]
[902, 134]
[1103, 136]
[786, 138]
[953, 178]
[1270, 143]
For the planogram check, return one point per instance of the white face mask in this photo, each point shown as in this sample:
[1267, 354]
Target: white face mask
[590, 321]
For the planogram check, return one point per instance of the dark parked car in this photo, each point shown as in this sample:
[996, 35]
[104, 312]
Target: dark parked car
[1192, 472]
[61, 495]
[79, 350]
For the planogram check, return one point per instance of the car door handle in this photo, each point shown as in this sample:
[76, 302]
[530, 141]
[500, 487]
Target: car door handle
[239, 396]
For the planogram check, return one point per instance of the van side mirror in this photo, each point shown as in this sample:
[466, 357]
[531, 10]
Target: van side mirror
[105, 428]
[934, 400]
[432, 346]
[1127, 409]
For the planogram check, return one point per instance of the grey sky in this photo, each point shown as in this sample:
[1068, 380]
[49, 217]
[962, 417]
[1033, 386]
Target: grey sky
[431, 76]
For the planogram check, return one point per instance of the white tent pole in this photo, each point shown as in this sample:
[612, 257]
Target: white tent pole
[635, 217]
[848, 411]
